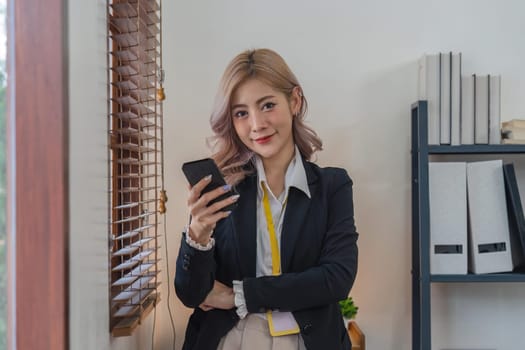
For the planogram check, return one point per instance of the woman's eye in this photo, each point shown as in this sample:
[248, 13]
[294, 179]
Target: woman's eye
[268, 105]
[240, 114]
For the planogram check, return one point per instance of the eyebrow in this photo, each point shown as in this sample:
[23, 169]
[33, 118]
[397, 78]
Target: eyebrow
[256, 102]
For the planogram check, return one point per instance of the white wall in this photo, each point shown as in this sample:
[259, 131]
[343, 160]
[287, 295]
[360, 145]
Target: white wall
[357, 63]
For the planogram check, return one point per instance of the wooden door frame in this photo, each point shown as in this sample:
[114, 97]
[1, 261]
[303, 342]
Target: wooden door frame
[38, 175]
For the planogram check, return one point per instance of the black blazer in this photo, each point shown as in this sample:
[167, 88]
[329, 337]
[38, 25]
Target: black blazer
[318, 258]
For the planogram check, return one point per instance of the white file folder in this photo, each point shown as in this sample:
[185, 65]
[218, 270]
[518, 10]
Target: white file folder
[467, 110]
[495, 109]
[429, 89]
[489, 240]
[455, 99]
[448, 217]
[445, 111]
[481, 111]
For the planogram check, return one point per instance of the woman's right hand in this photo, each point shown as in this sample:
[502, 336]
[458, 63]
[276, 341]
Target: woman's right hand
[220, 297]
[204, 218]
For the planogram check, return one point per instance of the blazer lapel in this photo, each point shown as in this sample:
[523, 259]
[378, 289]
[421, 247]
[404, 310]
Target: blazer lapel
[244, 219]
[295, 216]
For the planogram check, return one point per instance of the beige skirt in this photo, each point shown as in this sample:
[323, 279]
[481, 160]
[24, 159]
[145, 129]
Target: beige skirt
[252, 333]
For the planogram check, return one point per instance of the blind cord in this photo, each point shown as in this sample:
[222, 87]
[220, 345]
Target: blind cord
[153, 328]
[168, 275]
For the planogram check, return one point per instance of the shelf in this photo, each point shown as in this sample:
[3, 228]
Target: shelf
[497, 277]
[476, 149]
[421, 241]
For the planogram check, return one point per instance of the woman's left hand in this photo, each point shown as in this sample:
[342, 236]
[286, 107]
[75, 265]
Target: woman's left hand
[220, 297]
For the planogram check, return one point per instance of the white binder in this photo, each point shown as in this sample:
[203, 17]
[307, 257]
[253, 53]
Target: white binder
[445, 111]
[489, 241]
[429, 89]
[467, 109]
[448, 218]
[481, 112]
[495, 109]
[455, 99]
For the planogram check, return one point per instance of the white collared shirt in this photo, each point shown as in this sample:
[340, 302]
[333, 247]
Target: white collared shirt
[295, 177]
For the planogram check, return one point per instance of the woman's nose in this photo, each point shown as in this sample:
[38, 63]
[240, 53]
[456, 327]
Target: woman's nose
[258, 121]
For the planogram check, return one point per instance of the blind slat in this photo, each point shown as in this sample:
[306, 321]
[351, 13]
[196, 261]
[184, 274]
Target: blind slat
[124, 24]
[134, 161]
[125, 40]
[134, 147]
[137, 272]
[127, 206]
[125, 85]
[136, 189]
[129, 278]
[126, 310]
[134, 261]
[133, 24]
[136, 176]
[133, 118]
[149, 5]
[133, 53]
[144, 294]
[129, 131]
[142, 242]
[128, 264]
[125, 296]
[134, 232]
[152, 18]
[143, 82]
[136, 217]
[125, 70]
[143, 255]
[123, 9]
[142, 109]
[128, 250]
[124, 281]
[125, 100]
[137, 287]
[124, 55]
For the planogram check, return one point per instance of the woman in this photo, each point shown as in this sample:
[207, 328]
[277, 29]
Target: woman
[269, 274]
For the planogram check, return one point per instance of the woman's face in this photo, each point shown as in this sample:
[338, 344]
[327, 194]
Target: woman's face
[262, 118]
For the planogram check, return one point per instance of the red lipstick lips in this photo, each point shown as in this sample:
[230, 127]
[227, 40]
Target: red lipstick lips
[263, 140]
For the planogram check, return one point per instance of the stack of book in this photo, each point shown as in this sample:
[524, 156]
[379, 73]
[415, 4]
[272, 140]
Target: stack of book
[462, 109]
[513, 131]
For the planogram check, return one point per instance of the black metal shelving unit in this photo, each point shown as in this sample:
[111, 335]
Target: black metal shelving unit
[421, 277]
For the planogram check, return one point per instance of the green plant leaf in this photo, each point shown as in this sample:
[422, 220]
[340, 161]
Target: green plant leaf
[348, 308]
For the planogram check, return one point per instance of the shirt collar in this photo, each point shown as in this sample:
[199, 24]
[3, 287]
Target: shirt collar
[295, 174]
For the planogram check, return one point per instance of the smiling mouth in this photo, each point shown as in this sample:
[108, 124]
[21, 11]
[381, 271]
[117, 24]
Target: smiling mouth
[264, 139]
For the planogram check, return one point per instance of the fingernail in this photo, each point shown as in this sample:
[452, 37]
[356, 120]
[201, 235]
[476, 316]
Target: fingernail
[235, 197]
[228, 213]
[226, 188]
[208, 178]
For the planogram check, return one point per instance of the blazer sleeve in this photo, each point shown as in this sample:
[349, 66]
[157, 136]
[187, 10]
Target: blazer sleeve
[195, 274]
[327, 282]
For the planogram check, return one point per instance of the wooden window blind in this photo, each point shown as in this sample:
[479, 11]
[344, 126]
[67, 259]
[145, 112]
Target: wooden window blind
[134, 166]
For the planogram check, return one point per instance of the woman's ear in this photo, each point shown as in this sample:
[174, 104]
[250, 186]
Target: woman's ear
[296, 100]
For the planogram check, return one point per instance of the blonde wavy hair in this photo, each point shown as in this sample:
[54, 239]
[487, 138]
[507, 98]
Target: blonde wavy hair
[231, 155]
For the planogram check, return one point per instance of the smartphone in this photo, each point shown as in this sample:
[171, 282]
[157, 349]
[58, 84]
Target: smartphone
[198, 169]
